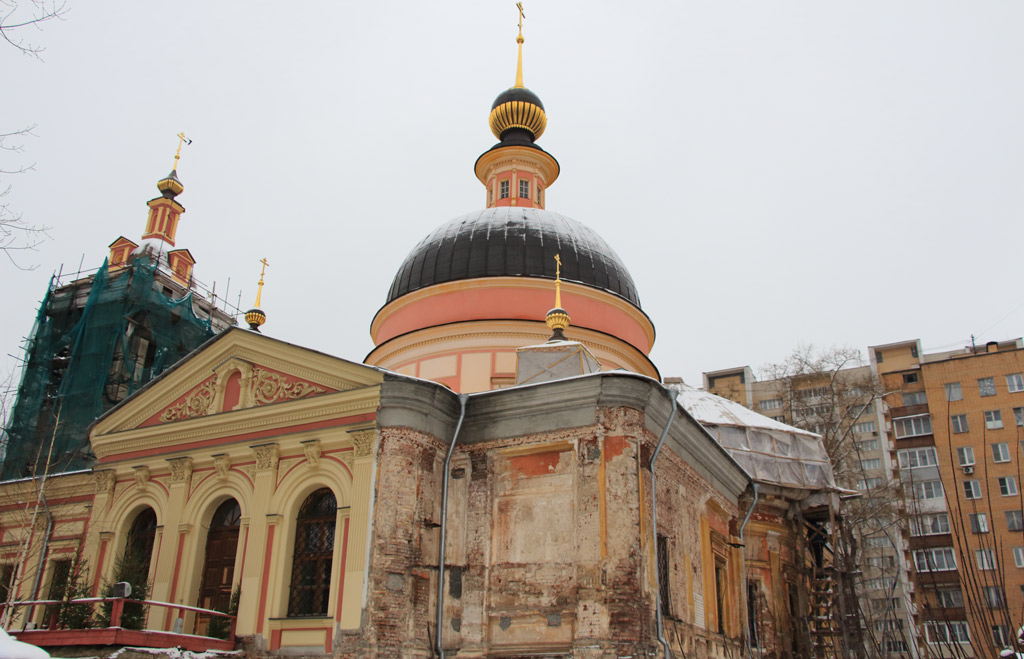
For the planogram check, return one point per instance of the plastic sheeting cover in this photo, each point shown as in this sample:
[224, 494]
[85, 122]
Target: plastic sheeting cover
[770, 451]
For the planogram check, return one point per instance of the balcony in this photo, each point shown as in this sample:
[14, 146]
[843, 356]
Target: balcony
[114, 634]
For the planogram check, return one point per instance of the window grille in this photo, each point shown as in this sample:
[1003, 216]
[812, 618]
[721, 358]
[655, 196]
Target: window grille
[313, 554]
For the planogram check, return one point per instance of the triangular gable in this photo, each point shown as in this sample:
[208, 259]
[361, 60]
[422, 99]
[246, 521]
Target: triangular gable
[237, 370]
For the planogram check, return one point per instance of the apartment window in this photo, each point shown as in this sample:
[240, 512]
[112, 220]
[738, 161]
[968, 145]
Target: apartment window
[503, 189]
[936, 524]
[928, 489]
[866, 426]
[1000, 634]
[994, 420]
[994, 597]
[868, 446]
[872, 463]
[1014, 520]
[913, 426]
[966, 455]
[972, 490]
[911, 458]
[894, 645]
[812, 392]
[524, 189]
[884, 583]
[936, 559]
[869, 483]
[1018, 556]
[877, 542]
[1000, 452]
[910, 378]
[770, 404]
[1008, 486]
[1014, 382]
[947, 632]
[888, 625]
[986, 559]
[915, 398]
[878, 356]
[953, 391]
[950, 598]
[987, 386]
[959, 423]
[1018, 415]
[882, 561]
[979, 523]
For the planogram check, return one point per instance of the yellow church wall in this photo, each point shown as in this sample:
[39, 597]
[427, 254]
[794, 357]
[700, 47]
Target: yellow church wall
[269, 457]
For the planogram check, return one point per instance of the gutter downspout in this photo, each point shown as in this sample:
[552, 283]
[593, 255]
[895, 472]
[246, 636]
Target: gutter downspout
[444, 525]
[743, 562]
[672, 394]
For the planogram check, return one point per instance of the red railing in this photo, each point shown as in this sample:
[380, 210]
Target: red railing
[114, 633]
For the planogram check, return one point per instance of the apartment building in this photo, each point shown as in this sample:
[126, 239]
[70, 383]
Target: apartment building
[844, 405]
[956, 425]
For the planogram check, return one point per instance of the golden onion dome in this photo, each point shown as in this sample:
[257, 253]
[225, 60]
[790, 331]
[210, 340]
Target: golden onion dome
[170, 186]
[517, 107]
[255, 317]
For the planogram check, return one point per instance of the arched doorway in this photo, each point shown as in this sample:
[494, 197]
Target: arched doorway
[219, 567]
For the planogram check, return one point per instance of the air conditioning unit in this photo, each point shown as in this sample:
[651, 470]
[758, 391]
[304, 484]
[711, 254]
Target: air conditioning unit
[968, 469]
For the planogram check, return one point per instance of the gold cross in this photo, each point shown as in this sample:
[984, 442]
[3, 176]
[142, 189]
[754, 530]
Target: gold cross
[181, 139]
[259, 289]
[558, 282]
[519, 6]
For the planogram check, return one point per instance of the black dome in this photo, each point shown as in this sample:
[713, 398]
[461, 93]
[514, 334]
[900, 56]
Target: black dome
[517, 94]
[517, 242]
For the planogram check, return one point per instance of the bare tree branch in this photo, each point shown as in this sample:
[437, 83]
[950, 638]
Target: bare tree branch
[17, 16]
[17, 235]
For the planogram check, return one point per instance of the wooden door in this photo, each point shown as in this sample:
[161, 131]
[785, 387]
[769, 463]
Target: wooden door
[219, 564]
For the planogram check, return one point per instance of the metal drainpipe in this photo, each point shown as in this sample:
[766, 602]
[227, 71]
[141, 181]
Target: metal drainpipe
[672, 394]
[743, 562]
[444, 524]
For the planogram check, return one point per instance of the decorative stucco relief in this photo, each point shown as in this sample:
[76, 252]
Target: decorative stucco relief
[197, 403]
[270, 387]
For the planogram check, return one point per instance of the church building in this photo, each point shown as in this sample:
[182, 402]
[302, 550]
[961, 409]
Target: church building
[504, 475]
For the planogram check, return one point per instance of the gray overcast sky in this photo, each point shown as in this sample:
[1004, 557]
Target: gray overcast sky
[770, 172]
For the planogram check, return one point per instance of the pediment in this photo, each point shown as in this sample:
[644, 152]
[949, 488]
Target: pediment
[237, 370]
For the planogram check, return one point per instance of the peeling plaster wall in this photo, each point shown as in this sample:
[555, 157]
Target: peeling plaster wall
[548, 526]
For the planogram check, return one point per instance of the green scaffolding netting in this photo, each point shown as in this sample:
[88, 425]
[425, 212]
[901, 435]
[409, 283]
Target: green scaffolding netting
[95, 342]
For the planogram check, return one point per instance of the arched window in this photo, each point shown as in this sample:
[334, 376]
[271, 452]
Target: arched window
[313, 554]
[139, 547]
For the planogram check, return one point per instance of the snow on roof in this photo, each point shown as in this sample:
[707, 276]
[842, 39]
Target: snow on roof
[706, 407]
[770, 451]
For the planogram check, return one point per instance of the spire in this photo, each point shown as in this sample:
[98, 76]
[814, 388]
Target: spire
[255, 316]
[558, 318]
[519, 40]
[171, 186]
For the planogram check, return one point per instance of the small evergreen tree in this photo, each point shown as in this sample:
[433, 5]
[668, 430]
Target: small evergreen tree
[221, 627]
[136, 572]
[76, 616]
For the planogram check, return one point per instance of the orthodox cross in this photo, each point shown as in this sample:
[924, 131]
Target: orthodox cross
[181, 139]
[259, 290]
[558, 282]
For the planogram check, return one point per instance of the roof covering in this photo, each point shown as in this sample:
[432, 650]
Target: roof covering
[770, 451]
[510, 241]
